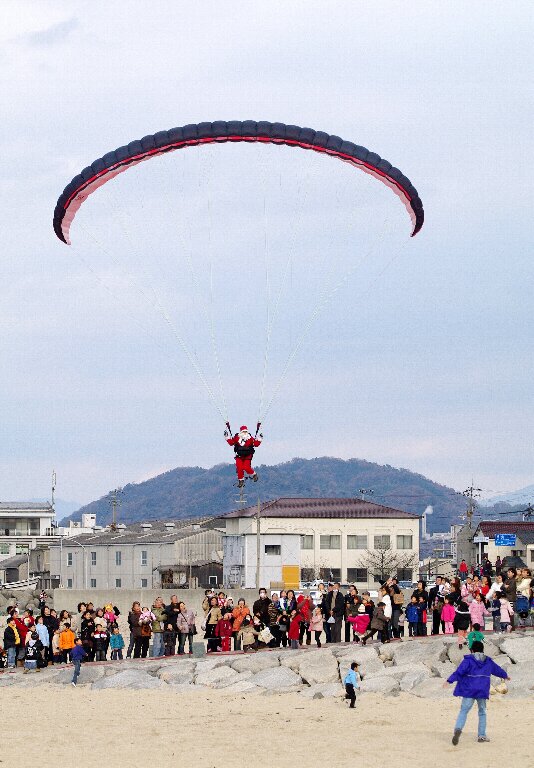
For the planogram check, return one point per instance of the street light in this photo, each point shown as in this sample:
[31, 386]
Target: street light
[84, 562]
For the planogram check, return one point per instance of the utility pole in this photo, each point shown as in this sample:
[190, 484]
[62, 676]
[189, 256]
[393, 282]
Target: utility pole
[258, 542]
[366, 491]
[114, 502]
[471, 494]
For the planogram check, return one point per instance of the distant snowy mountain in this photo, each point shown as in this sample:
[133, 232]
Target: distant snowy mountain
[522, 496]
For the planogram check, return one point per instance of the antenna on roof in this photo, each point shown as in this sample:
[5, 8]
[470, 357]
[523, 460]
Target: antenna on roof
[366, 491]
[53, 486]
[114, 502]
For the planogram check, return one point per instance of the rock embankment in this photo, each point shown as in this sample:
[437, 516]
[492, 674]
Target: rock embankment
[417, 667]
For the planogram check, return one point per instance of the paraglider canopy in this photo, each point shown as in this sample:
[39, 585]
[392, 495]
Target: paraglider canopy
[113, 163]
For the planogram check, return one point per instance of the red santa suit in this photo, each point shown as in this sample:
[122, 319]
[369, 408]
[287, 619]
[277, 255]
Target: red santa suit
[244, 445]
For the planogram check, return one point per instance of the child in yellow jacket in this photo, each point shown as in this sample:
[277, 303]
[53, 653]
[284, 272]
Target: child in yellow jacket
[67, 641]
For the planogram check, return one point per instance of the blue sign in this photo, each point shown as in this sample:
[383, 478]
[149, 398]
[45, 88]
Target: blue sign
[505, 539]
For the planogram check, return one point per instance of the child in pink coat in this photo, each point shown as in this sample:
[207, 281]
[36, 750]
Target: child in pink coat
[478, 610]
[316, 625]
[447, 616]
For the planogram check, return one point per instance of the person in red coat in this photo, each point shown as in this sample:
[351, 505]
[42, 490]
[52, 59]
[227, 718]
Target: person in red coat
[295, 620]
[244, 445]
[224, 631]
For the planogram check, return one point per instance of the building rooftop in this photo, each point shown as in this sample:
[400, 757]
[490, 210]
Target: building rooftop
[25, 506]
[491, 527]
[153, 532]
[322, 508]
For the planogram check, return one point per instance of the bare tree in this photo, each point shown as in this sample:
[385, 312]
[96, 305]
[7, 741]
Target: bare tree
[383, 562]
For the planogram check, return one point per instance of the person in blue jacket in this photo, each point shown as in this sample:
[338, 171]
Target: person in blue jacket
[78, 654]
[352, 684]
[473, 678]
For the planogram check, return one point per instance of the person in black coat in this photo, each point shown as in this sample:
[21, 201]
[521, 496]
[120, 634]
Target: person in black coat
[432, 602]
[334, 603]
[261, 606]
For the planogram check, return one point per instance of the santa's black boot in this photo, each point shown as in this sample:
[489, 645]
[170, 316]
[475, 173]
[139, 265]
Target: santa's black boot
[255, 477]
[240, 483]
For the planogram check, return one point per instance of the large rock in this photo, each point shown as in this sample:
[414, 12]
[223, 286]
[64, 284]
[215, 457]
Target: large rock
[255, 662]
[412, 651]
[442, 669]
[365, 656]
[220, 677]
[519, 649]
[431, 688]
[292, 659]
[130, 678]
[275, 679]
[382, 684]
[212, 662]
[414, 677]
[89, 673]
[456, 655]
[176, 676]
[319, 668]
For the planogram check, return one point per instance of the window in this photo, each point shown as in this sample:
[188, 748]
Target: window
[118, 558]
[118, 583]
[93, 583]
[356, 542]
[404, 574]
[69, 583]
[382, 542]
[404, 542]
[330, 542]
[69, 558]
[307, 574]
[212, 580]
[306, 541]
[357, 574]
[144, 558]
[93, 558]
[144, 583]
[4, 549]
[273, 549]
[330, 574]
[532, 555]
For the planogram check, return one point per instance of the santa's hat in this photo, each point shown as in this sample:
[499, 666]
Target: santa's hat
[243, 429]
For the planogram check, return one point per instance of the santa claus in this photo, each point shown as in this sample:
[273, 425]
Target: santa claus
[244, 445]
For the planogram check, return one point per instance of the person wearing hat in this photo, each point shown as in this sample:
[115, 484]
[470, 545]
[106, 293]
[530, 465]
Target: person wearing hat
[244, 445]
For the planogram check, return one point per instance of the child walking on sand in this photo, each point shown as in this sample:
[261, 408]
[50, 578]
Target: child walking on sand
[78, 654]
[352, 683]
[473, 678]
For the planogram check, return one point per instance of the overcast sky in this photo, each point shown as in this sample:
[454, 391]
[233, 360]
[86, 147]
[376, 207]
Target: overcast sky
[424, 358]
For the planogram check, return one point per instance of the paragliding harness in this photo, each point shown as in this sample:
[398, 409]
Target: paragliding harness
[244, 451]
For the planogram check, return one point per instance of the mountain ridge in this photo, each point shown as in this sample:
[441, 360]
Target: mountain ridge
[186, 492]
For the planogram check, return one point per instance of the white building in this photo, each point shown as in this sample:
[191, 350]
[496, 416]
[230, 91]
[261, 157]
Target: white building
[23, 526]
[323, 538]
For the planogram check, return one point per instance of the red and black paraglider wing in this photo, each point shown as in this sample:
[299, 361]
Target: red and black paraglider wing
[113, 163]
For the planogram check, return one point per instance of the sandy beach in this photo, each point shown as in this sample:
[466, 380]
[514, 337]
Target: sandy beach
[69, 725]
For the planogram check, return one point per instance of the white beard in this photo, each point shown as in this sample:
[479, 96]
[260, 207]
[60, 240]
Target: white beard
[243, 437]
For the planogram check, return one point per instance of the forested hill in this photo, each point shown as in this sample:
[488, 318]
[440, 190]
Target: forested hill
[193, 491]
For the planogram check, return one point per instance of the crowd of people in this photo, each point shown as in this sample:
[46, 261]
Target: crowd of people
[282, 619]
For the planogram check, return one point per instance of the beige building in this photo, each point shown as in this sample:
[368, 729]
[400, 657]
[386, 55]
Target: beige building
[338, 539]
